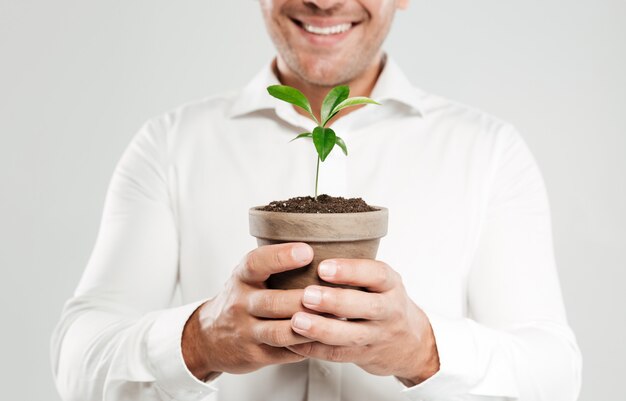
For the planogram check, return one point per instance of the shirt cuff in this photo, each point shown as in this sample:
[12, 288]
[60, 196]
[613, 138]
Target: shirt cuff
[457, 361]
[164, 351]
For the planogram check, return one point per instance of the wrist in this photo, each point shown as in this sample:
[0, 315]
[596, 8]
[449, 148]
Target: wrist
[430, 364]
[428, 358]
[194, 349]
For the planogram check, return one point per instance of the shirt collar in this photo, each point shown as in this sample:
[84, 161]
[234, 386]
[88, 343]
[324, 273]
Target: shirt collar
[392, 85]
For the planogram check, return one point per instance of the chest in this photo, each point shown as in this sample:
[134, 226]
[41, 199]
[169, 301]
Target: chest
[434, 192]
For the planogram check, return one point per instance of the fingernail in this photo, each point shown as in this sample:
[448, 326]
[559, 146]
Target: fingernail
[302, 322]
[312, 296]
[327, 268]
[301, 253]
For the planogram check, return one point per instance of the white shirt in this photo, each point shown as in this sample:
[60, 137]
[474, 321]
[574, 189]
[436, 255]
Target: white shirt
[469, 232]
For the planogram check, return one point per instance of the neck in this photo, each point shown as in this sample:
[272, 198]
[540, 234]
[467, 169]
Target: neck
[361, 85]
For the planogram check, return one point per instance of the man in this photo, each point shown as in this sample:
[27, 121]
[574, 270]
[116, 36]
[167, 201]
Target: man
[466, 304]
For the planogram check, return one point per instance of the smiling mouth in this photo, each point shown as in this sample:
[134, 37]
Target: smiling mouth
[325, 30]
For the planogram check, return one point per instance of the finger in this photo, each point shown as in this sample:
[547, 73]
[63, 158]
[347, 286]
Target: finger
[275, 304]
[277, 333]
[326, 352]
[266, 260]
[279, 355]
[348, 303]
[333, 331]
[374, 275]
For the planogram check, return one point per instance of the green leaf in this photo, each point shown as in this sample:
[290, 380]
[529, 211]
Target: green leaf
[335, 96]
[293, 96]
[303, 135]
[353, 101]
[339, 142]
[324, 141]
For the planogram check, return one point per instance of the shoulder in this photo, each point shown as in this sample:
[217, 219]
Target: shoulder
[462, 123]
[210, 108]
[440, 114]
[466, 135]
[441, 110]
[186, 121]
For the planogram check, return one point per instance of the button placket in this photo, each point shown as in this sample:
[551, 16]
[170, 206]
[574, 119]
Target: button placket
[324, 381]
[288, 114]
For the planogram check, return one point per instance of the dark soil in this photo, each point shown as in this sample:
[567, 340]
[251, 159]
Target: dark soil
[324, 204]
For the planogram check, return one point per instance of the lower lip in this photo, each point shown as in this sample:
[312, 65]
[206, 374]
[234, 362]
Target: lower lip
[324, 40]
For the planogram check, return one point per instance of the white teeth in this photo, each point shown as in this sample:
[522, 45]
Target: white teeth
[327, 30]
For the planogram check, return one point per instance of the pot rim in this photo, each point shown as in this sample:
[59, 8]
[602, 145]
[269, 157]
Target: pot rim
[318, 227]
[257, 209]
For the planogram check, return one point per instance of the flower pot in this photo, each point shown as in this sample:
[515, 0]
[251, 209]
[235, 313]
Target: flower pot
[331, 235]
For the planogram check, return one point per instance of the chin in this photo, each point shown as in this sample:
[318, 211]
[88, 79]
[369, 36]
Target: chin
[324, 80]
[324, 73]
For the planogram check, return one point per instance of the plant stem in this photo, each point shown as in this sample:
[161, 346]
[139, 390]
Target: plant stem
[317, 174]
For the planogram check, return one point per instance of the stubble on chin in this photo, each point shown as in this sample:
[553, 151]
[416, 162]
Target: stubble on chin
[322, 72]
[326, 71]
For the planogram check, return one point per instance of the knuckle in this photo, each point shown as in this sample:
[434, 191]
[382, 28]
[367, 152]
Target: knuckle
[359, 339]
[386, 336]
[305, 348]
[260, 356]
[240, 335]
[377, 307]
[386, 275]
[277, 259]
[268, 304]
[346, 271]
[396, 314]
[252, 303]
[251, 261]
[233, 309]
[278, 337]
[260, 305]
[320, 332]
[261, 334]
[331, 299]
[336, 354]
[282, 257]
[396, 276]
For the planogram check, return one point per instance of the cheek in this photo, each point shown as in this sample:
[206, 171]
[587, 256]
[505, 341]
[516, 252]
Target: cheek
[266, 8]
[267, 5]
[381, 12]
[270, 10]
[275, 27]
[379, 8]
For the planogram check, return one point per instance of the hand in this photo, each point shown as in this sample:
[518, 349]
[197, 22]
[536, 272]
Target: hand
[247, 326]
[385, 333]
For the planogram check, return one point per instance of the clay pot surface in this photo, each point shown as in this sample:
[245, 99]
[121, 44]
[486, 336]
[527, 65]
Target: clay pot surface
[331, 235]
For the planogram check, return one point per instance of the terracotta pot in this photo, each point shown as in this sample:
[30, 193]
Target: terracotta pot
[331, 235]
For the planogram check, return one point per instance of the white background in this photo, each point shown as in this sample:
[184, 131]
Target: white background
[78, 78]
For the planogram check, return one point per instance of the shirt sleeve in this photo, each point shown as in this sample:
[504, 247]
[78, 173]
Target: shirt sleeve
[516, 343]
[118, 338]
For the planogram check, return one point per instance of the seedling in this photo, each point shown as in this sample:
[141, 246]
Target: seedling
[324, 138]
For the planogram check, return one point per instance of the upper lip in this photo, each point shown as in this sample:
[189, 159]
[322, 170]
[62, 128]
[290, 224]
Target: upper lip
[323, 22]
